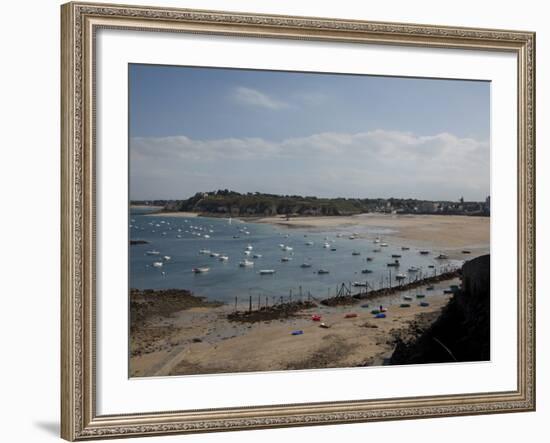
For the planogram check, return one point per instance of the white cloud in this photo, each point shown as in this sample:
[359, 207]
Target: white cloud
[253, 97]
[368, 164]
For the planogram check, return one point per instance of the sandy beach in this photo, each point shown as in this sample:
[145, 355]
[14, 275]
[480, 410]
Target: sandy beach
[201, 340]
[447, 233]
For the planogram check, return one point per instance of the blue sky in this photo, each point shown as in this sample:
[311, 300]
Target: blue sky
[195, 129]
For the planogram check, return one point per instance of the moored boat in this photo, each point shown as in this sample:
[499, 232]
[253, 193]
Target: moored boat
[267, 271]
[201, 269]
[246, 263]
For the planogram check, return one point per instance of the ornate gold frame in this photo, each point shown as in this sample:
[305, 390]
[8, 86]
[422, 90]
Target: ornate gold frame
[79, 23]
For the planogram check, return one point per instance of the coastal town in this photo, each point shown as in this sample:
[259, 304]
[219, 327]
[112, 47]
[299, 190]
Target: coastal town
[231, 203]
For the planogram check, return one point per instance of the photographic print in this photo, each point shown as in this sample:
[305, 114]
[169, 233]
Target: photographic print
[297, 220]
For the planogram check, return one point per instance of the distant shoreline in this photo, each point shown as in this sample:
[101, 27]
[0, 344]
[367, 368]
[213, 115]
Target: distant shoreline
[449, 234]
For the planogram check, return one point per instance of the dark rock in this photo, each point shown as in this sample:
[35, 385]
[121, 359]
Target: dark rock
[462, 331]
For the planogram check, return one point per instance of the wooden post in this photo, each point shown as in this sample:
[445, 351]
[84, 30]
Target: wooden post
[249, 303]
[235, 303]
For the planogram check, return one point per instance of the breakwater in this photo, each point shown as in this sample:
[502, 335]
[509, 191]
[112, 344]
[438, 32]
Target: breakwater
[346, 297]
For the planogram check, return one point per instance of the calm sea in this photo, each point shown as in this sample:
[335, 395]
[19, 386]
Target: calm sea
[181, 239]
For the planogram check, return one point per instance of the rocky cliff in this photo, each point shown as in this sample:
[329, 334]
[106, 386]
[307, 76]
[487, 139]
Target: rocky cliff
[462, 331]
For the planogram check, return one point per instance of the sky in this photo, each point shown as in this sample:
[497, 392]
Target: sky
[330, 135]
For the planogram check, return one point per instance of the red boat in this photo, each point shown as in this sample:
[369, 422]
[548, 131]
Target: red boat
[316, 317]
[351, 315]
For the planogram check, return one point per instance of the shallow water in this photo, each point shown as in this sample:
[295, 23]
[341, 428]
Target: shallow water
[179, 238]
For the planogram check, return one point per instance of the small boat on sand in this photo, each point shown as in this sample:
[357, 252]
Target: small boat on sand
[405, 248]
[267, 271]
[324, 325]
[430, 288]
[297, 332]
[407, 297]
[466, 251]
[316, 317]
[381, 315]
[246, 263]
[404, 305]
[424, 304]
[424, 252]
[201, 270]
[442, 257]
[350, 315]
[420, 296]
[384, 245]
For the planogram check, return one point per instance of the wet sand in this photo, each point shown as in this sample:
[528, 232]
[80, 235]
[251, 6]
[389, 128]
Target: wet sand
[201, 340]
[446, 233]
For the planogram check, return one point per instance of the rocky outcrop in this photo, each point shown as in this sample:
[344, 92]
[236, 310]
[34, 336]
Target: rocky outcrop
[462, 331]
